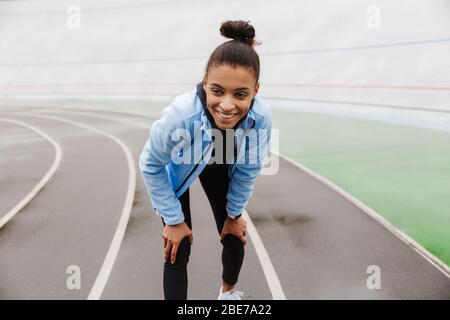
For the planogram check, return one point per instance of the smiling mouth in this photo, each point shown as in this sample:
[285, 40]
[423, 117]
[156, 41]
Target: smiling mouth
[227, 116]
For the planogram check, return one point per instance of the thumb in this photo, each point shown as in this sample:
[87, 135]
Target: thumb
[191, 238]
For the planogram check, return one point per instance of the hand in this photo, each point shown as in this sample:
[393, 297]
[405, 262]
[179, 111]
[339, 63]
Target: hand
[172, 236]
[237, 227]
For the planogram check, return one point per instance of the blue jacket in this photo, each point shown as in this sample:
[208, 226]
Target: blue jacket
[166, 177]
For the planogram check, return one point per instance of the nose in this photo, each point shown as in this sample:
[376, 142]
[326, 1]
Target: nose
[227, 105]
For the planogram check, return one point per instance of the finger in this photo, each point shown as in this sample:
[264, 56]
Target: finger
[167, 250]
[191, 238]
[174, 252]
[242, 238]
[222, 233]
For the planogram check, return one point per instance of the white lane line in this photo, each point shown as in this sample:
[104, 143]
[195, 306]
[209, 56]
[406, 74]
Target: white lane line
[95, 115]
[84, 113]
[261, 252]
[435, 261]
[108, 263]
[55, 165]
[269, 271]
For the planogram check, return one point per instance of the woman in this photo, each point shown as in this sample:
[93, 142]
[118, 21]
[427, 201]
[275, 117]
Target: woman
[217, 123]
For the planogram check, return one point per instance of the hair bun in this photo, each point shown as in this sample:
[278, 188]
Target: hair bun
[239, 30]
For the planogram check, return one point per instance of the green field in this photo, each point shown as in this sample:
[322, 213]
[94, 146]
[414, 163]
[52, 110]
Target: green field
[401, 172]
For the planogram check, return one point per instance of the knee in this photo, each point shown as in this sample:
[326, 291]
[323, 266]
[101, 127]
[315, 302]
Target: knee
[231, 242]
[183, 253]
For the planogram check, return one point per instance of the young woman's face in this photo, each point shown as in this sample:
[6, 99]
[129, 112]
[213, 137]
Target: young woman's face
[229, 92]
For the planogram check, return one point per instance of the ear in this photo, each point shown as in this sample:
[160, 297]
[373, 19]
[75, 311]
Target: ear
[204, 82]
[256, 89]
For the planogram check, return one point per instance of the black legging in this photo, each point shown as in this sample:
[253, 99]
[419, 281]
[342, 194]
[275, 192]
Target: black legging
[215, 181]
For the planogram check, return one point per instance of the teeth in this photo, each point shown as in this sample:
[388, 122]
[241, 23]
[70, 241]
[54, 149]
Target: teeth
[225, 115]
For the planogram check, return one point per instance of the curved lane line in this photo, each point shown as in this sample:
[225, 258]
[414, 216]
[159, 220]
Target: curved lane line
[435, 261]
[264, 259]
[55, 165]
[108, 263]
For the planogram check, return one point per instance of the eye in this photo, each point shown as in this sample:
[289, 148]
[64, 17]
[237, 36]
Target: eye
[216, 91]
[241, 95]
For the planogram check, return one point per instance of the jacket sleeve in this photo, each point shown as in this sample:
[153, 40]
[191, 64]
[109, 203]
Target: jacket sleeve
[244, 174]
[152, 162]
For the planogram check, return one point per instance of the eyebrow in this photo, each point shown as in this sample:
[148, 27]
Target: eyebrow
[218, 85]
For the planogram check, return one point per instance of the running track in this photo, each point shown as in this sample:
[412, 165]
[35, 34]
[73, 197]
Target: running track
[93, 212]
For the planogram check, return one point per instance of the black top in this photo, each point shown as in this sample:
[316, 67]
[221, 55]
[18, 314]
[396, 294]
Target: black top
[218, 169]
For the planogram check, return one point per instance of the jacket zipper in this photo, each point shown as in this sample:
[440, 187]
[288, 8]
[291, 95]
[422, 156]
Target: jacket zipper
[237, 154]
[192, 171]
